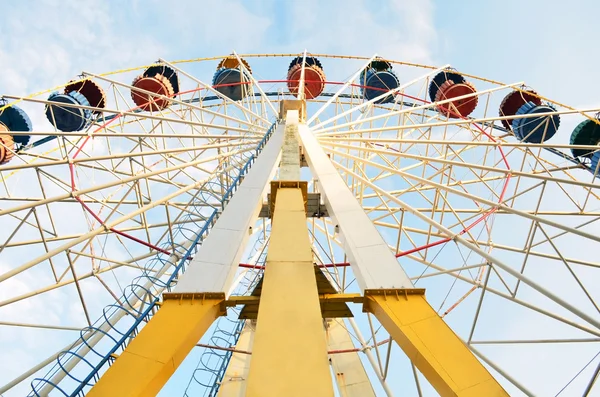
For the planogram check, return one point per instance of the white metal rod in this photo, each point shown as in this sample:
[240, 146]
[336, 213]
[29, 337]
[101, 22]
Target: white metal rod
[256, 84]
[528, 341]
[25, 375]
[393, 113]
[501, 372]
[592, 381]
[301, 95]
[117, 156]
[372, 101]
[247, 136]
[217, 93]
[491, 203]
[337, 94]
[108, 185]
[328, 139]
[27, 325]
[366, 349]
[98, 230]
[116, 112]
[143, 115]
[451, 122]
[486, 255]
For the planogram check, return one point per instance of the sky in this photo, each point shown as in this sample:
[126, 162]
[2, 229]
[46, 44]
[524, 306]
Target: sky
[550, 45]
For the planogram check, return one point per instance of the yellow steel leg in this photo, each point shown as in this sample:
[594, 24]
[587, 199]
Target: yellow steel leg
[234, 381]
[289, 356]
[152, 357]
[428, 341]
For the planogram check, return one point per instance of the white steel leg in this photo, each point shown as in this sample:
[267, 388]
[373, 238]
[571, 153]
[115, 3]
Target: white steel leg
[362, 242]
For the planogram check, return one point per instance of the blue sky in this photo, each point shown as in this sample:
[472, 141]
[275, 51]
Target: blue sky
[551, 45]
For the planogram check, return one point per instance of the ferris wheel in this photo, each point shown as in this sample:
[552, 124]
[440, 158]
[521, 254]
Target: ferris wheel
[298, 224]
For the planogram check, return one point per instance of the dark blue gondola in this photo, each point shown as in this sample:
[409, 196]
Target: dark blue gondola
[535, 129]
[377, 79]
[231, 82]
[15, 119]
[67, 118]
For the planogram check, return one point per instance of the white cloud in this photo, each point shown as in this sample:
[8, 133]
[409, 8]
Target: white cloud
[397, 30]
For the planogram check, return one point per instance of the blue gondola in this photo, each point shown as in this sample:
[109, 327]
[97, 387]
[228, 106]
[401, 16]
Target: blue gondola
[233, 83]
[535, 129]
[377, 79]
[68, 119]
[15, 119]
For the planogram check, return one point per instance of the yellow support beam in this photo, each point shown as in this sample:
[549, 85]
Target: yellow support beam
[289, 356]
[432, 346]
[153, 356]
[235, 378]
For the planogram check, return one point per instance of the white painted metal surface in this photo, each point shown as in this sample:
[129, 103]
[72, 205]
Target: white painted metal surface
[373, 264]
[289, 169]
[214, 266]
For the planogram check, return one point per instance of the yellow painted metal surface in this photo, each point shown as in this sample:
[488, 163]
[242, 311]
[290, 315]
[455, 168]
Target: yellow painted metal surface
[236, 375]
[289, 357]
[153, 356]
[350, 375]
[436, 351]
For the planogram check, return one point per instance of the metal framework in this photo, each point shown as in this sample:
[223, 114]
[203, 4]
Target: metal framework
[113, 238]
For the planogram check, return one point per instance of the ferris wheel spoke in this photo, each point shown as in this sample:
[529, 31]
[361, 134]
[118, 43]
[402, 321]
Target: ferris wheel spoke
[419, 188]
[224, 98]
[97, 231]
[396, 91]
[477, 213]
[180, 121]
[502, 372]
[564, 261]
[508, 297]
[256, 85]
[334, 132]
[122, 181]
[457, 237]
[328, 130]
[115, 264]
[461, 164]
[343, 88]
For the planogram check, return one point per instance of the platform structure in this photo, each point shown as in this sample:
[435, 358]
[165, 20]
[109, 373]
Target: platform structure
[285, 351]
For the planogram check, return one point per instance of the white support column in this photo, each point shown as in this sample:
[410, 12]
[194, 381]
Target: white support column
[372, 261]
[350, 375]
[215, 264]
[290, 151]
[234, 380]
